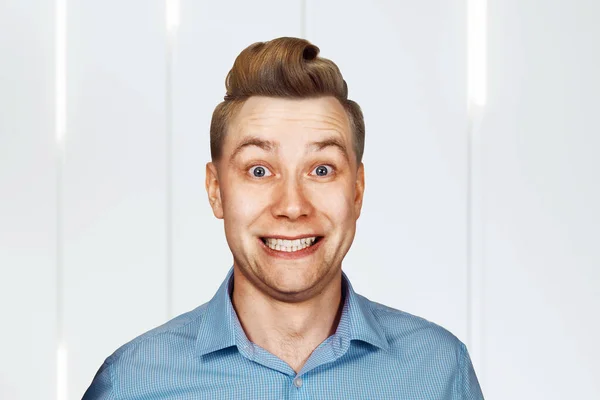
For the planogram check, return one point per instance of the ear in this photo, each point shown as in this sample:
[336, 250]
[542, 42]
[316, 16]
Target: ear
[359, 189]
[213, 190]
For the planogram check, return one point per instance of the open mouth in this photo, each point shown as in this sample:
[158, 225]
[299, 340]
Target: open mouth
[290, 246]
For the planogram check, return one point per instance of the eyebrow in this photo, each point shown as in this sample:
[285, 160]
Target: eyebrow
[269, 146]
[266, 145]
[334, 142]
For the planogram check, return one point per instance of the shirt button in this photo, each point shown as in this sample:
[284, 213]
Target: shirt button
[298, 382]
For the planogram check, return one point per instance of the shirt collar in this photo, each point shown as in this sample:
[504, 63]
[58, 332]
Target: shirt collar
[220, 327]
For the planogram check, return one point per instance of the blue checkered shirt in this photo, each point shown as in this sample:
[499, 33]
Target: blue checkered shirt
[377, 352]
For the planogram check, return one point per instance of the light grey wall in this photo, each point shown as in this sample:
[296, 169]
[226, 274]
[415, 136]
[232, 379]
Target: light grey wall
[539, 142]
[486, 226]
[28, 201]
[114, 181]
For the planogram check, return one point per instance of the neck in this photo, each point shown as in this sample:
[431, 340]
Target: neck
[289, 330]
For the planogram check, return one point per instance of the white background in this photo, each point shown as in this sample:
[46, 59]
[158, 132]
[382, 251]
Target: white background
[484, 222]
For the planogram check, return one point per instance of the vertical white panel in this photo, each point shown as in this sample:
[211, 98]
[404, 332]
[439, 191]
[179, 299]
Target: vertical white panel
[405, 64]
[541, 201]
[27, 201]
[114, 180]
[211, 34]
[476, 98]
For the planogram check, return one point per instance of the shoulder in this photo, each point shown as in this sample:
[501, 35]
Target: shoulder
[134, 368]
[408, 333]
[178, 333]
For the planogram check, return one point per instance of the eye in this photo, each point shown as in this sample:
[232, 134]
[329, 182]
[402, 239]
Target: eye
[322, 170]
[258, 171]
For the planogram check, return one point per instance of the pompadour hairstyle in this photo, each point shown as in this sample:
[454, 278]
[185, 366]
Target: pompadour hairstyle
[285, 67]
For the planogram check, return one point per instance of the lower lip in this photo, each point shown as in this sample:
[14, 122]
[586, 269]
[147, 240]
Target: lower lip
[291, 255]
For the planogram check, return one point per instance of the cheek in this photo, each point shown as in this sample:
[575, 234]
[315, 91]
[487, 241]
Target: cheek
[241, 207]
[335, 202]
[242, 204]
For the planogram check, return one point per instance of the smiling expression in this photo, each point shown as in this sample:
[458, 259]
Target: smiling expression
[289, 190]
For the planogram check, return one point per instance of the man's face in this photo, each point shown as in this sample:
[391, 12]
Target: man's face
[288, 170]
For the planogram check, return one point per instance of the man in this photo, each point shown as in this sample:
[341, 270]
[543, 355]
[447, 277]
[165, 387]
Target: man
[287, 179]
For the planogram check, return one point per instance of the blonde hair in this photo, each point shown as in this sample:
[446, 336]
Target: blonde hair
[285, 67]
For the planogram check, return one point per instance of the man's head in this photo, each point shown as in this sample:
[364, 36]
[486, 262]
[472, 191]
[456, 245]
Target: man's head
[286, 148]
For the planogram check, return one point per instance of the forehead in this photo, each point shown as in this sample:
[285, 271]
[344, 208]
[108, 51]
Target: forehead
[277, 116]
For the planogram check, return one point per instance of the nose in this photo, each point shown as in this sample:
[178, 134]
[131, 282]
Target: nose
[291, 201]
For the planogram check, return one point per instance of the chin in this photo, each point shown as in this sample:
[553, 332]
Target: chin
[291, 280]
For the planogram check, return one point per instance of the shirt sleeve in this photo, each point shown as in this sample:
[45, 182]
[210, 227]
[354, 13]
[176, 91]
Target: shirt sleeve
[468, 385]
[102, 385]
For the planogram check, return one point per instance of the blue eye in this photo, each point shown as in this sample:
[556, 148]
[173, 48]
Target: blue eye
[321, 170]
[259, 171]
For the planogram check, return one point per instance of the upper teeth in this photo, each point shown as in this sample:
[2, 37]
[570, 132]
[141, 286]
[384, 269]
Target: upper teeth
[289, 245]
